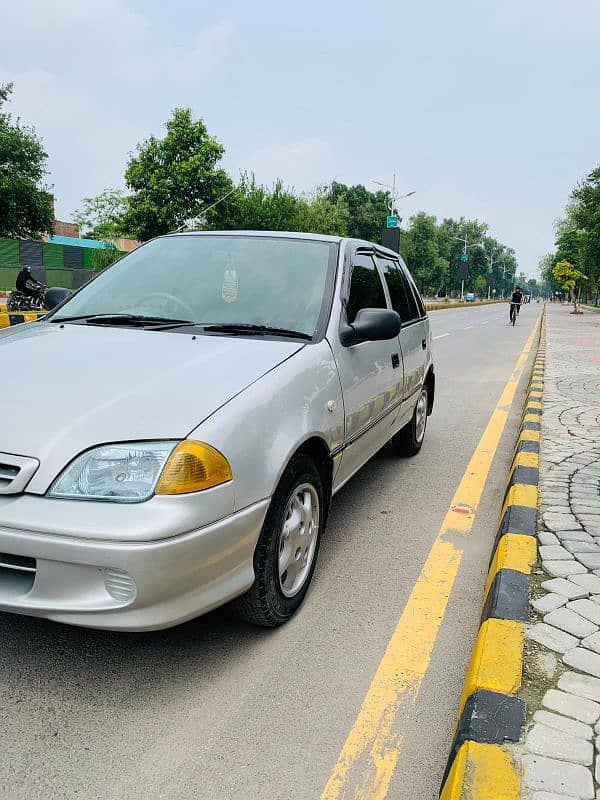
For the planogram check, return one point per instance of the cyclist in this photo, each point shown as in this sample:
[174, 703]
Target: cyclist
[515, 303]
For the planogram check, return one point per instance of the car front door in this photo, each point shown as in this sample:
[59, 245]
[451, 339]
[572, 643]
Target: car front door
[414, 331]
[371, 373]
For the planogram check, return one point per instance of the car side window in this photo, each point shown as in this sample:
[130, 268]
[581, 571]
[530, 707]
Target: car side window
[366, 289]
[401, 295]
[418, 298]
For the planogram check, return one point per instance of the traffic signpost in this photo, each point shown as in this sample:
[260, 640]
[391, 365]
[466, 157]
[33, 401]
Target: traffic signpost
[392, 221]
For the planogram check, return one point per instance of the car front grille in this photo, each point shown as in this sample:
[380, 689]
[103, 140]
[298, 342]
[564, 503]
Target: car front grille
[16, 472]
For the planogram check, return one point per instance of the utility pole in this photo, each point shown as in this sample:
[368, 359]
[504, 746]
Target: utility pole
[394, 197]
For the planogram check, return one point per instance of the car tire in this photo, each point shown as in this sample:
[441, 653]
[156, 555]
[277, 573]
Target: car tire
[290, 537]
[409, 440]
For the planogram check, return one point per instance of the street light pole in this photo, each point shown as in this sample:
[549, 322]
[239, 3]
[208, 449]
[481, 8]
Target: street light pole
[393, 196]
[466, 244]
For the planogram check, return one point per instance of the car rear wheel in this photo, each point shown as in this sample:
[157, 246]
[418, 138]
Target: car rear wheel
[409, 440]
[286, 553]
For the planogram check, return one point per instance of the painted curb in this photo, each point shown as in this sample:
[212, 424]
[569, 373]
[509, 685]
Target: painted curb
[16, 318]
[480, 766]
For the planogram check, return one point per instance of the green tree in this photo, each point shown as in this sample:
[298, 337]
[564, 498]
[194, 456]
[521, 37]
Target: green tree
[25, 204]
[101, 217]
[419, 248]
[367, 211]
[570, 278]
[480, 286]
[176, 178]
[319, 212]
[257, 207]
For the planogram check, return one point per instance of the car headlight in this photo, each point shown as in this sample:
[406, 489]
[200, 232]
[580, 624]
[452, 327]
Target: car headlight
[133, 472]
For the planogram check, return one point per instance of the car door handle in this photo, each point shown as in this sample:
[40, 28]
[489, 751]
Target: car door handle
[424, 343]
[395, 360]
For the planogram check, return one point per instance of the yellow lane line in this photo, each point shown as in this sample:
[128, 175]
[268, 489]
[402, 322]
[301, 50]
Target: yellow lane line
[368, 758]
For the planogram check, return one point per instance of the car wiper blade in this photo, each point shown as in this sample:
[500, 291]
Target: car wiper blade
[259, 330]
[160, 323]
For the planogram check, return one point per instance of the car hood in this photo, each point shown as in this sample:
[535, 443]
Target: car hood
[70, 387]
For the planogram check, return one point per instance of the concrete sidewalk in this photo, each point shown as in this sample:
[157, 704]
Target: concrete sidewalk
[560, 754]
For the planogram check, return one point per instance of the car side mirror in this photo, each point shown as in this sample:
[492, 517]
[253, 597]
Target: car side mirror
[56, 296]
[371, 325]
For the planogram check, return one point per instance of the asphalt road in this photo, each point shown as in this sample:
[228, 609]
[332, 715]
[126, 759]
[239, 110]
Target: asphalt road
[216, 709]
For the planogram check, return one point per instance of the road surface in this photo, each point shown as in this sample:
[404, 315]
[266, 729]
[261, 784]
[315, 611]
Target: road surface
[218, 710]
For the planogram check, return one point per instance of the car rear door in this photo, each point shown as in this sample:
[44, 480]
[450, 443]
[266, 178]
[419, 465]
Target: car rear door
[414, 332]
[370, 372]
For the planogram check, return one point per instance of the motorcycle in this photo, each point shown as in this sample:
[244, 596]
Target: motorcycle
[18, 301]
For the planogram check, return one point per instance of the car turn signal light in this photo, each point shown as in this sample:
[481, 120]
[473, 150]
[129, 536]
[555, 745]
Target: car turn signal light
[193, 467]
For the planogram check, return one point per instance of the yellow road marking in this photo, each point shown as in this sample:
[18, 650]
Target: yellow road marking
[368, 758]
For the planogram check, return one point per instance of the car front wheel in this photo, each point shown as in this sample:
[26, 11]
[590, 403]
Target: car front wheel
[409, 440]
[286, 553]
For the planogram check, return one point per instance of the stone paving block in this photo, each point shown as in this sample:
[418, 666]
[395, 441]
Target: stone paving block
[565, 587]
[590, 560]
[549, 742]
[575, 536]
[551, 775]
[570, 622]
[581, 547]
[562, 569]
[597, 770]
[554, 553]
[551, 637]
[581, 685]
[550, 601]
[574, 706]
[545, 537]
[560, 723]
[592, 642]
[587, 609]
[552, 796]
[597, 742]
[589, 582]
[583, 659]
[561, 522]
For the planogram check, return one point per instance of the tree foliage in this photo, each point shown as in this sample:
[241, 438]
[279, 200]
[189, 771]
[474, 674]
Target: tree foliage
[175, 178]
[578, 239]
[570, 278]
[25, 204]
[101, 217]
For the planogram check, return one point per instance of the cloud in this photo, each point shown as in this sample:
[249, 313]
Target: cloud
[301, 164]
[95, 78]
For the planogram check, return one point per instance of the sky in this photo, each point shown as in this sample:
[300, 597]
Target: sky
[486, 110]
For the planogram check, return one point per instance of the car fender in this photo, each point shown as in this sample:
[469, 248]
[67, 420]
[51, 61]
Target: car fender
[259, 430]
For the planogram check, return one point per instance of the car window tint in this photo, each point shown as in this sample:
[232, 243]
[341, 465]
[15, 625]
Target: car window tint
[366, 289]
[401, 295]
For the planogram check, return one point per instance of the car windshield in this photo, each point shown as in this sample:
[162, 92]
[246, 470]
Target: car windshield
[215, 280]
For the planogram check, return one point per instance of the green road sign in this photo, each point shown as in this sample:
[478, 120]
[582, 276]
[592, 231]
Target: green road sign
[464, 257]
[392, 222]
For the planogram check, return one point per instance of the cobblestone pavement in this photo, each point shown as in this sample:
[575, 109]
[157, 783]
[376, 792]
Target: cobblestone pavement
[562, 743]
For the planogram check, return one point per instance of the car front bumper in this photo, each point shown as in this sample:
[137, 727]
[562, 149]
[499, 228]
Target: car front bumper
[127, 585]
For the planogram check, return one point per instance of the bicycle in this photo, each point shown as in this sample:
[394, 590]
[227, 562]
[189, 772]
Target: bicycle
[513, 312]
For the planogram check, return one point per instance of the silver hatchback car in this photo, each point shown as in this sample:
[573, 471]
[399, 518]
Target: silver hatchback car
[178, 427]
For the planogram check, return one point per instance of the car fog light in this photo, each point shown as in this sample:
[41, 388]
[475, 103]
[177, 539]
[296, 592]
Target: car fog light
[119, 584]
